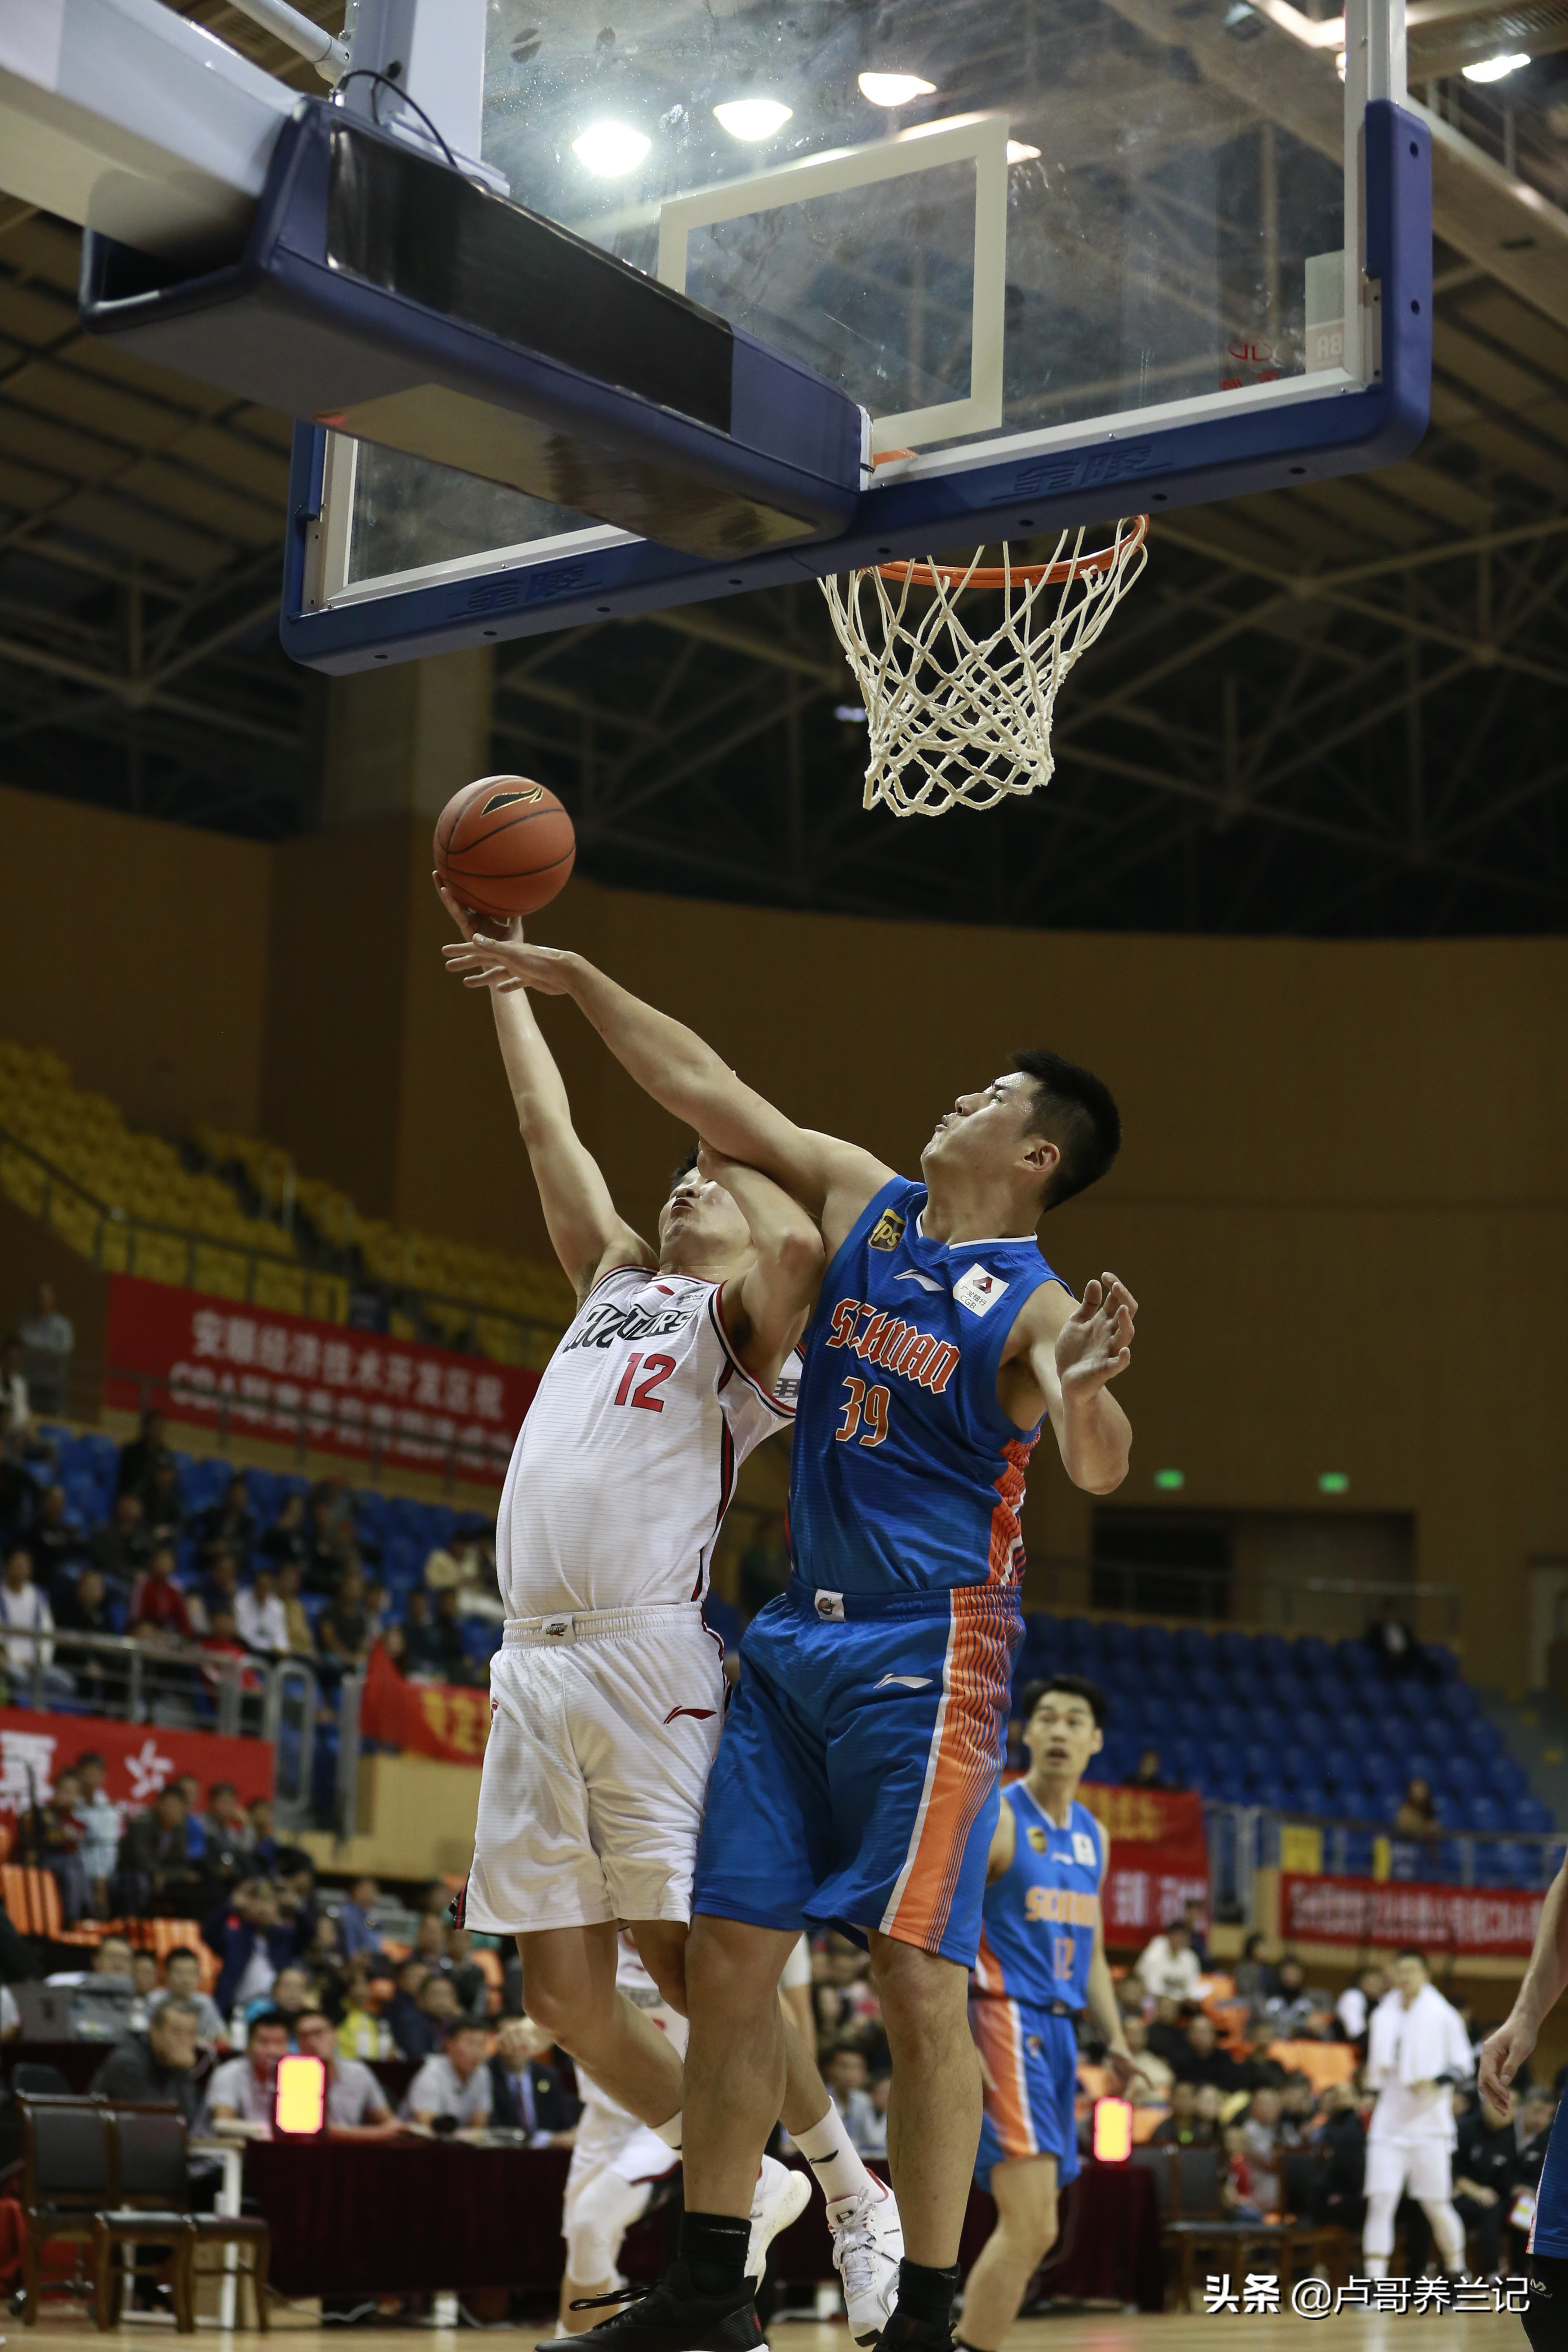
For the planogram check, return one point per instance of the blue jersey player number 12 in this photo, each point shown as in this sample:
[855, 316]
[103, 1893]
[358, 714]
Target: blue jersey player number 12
[856, 1779]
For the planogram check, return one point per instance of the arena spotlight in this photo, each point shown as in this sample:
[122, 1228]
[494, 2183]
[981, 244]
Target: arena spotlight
[1112, 2131]
[894, 90]
[299, 2100]
[1333, 1482]
[1018, 152]
[610, 150]
[752, 118]
[1494, 68]
[1169, 1482]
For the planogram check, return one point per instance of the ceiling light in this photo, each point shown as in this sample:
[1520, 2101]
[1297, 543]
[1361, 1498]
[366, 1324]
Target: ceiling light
[1018, 154]
[1494, 68]
[894, 89]
[610, 150]
[850, 713]
[752, 118]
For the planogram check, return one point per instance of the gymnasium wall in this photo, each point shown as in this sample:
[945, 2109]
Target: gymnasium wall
[1341, 1203]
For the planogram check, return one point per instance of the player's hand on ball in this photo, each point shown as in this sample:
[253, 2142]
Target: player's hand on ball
[497, 956]
[508, 927]
[1503, 2054]
[1095, 1343]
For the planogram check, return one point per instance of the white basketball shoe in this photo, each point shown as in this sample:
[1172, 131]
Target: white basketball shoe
[782, 2198]
[868, 2247]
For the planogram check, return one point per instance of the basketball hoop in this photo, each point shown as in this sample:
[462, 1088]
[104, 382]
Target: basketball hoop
[966, 714]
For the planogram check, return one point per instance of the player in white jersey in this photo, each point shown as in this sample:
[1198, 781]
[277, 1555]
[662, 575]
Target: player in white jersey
[1417, 2050]
[616, 2163]
[607, 1694]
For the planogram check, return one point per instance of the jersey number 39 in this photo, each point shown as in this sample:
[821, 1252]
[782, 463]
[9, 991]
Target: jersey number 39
[864, 1405]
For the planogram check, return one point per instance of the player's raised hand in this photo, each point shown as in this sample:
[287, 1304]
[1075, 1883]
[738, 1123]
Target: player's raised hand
[493, 953]
[1095, 1343]
[469, 922]
[1503, 2054]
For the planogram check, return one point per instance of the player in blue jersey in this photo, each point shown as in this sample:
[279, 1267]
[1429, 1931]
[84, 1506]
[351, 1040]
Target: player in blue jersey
[1041, 1964]
[1503, 2054]
[856, 1779]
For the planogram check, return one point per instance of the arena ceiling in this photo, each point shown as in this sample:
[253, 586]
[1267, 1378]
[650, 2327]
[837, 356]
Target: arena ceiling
[1332, 711]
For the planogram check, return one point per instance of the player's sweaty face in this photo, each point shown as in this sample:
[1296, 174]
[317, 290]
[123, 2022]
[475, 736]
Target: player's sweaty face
[1062, 1734]
[983, 1126]
[699, 1219]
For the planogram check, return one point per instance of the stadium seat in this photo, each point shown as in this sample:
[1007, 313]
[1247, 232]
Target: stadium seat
[1421, 1767]
[1338, 1765]
[1296, 1763]
[1481, 1813]
[1222, 1762]
[1270, 1793]
[1309, 1799]
[1263, 1723]
[1230, 1720]
[1351, 1803]
[1459, 1701]
[1313, 1655]
[1153, 1645]
[1270, 1654]
[1461, 1776]
[1483, 1737]
[1233, 1651]
[1442, 1662]
[1353, 1731]
[1507, 1779]
[1530, 1817]
[1191, 1718]
[1259, 1760]
[1186, 1759]
[1115, 1640]
[1205, 1685]
[1313, 1728]
[1332, 1693]
[1194, 1647]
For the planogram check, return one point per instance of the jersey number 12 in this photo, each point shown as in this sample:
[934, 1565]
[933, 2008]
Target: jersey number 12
[656, 1369]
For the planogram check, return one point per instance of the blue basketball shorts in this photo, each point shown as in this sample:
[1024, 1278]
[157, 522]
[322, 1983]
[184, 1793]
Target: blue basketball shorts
[1549, 2231]
[1031, 2086]
[856, 1783]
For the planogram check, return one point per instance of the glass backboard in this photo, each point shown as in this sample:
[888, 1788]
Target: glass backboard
[1050, 245]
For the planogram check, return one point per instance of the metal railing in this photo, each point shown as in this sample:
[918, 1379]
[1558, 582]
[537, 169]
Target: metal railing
[175, 1685]
[1244, 1839]
[1334, 1606]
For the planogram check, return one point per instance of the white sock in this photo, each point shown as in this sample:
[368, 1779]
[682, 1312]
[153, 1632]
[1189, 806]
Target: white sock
[1376, 2266]
[834, 2167]
[670, 2133]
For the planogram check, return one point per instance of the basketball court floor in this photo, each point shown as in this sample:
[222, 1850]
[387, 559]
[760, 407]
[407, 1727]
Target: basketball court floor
[1100, 2331]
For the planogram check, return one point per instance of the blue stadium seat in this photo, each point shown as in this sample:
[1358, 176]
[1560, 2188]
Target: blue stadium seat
[1263, 1723]
[1353, 1804]
[1481, 1813]
[1205, 1685]
[1159, 1717]
[1313, 1656]
[1184, 1758]
[1483, 1739]
[1194, 1646]
[1271, 1653]
[1192, 1717]
[1115, 1640]
[1233, 1651]
[1297, 1762]
[1530, 1817]
[1153, 1645]
[1228, 1788]
[1259, 1760]
[1458, 1701]
[1222, 1762]
[1442, 1662]
[1338, 1765]
[1312, 1729]
[1355, 1731]
[1358, 1854]
[1351, 1654]
[1270, 1792]
[1510, 1865]
[1230, 1720]
[1164, 1676]
[1289, 1695]
[1332, 1693]
[1507, 1779]
[1309, 1799]
[1419, 1766]
[1461, 1776]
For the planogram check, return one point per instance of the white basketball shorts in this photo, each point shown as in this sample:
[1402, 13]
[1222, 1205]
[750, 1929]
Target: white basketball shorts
[603, 1732]
[1420, 2169]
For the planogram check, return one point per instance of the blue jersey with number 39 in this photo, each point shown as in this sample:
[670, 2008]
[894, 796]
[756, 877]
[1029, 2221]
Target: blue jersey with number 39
[1038, 1922]
[906, 1474]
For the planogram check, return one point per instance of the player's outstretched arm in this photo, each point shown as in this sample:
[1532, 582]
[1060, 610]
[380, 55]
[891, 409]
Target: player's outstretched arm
[832, 1180]
[766, 1310]
[587, 1233]
[1060, 1360]
[1505, 2052]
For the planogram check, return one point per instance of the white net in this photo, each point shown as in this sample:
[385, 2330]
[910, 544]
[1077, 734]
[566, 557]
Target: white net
[962, 714]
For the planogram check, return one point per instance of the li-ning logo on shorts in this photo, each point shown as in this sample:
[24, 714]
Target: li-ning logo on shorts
[701, 1713]
[888, 1232]
[511, 800]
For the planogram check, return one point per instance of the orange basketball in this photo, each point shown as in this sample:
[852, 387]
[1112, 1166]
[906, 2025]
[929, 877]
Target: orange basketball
[504, 845]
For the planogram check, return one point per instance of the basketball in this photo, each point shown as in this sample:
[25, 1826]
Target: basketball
[504, 845]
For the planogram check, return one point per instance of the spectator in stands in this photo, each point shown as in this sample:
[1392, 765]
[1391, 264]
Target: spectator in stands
[1297, 2110]
[1193, 1911]
[52, 1830]
[112, 1958]
[1153, 2089]
[456, 1667]
[355, 2100]
[1184, 2126]
[220, 1586]
[231, 1523]
[144, 1985]
[228, 1837]
[1485, 2166]
[301, 1633]
[287, 1543]
[1417, 1814]
[1131, 1997]
[252, 1940]
[1340, 2184]
[453, 2085]
[424, 1649]
[157, 1600]
[469, 1980]
[120, 1551]
[296, 1874]
[55, 1546]
[156, 2068]
[244, 2089]
[343, 1631]
[145, 1454]
[48, 1338]
[159, 1876]
[1168, 1964]
[355, 1932]
[1239, 2190]
[1254, 1975]
[1149, 1772]
[183, 1982]
[330, 1549]
[1392, 1642]
[82, 1606]
[1203, 2060]
[16, 1401]
[262, 1620]
[846, 2074]
[24, 1610]
[289, 1997]
[1356, 2003]
[1260, 2145]
[101, 1824]
[323, 1966]
[1167, 2027]
[407, 2020]
[1290, 2013]
[526, 2092]
[263, 1838]
[162, 1501]
[222, 1640]
[360, 2032]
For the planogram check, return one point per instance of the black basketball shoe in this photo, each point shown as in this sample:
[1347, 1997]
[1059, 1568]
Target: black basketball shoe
[673, 2317]
[904, 2333]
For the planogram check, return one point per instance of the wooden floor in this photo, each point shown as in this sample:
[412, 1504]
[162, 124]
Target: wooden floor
[1084, 2332]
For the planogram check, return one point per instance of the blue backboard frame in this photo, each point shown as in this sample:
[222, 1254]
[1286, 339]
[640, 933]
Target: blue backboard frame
[1129, 465]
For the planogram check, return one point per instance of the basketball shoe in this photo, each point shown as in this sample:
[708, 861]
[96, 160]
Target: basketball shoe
[868, 2247]
[673, 2317]
[782, 2198]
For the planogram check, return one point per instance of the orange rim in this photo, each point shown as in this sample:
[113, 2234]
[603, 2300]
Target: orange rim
[996, 575]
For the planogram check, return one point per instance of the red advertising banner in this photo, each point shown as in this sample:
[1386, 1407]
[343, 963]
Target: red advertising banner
[354, 1392]
[138, 1760]
[1159, 1857]
[432, 1719]
[1388, 1912]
